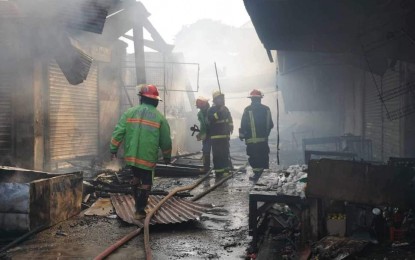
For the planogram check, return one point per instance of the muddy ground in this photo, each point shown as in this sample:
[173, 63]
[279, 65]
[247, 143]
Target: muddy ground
[221, 233]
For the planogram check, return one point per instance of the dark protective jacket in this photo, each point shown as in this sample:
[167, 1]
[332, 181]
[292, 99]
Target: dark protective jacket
[256, 123]
[144, 130]
[220, 122]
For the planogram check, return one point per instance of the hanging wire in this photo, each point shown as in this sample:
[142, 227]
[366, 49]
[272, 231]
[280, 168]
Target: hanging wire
[278, 114]
[373, 78]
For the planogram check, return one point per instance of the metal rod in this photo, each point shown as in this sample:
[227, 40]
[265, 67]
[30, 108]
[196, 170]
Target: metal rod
[185, 155]
[165, 86]
[153, 210]
[23, 237]
[201, 195]
[278, 130]
[217, 77]
[117, 244]
[128, 96]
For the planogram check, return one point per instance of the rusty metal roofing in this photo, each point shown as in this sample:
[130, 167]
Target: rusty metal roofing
[86, 15]
[174, 210]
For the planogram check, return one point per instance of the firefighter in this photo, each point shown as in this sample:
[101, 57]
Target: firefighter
[220, 129]
[256, 125]
[203, 105]
[144, 130]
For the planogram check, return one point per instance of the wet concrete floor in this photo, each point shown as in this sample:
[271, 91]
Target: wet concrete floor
[221, 233]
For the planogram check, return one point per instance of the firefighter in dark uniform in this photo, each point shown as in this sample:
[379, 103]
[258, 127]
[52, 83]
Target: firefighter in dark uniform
[256, 125]
[220, 129]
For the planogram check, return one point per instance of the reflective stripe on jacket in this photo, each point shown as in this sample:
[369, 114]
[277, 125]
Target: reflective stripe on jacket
[144, 130]
[220, 122]
[256, 123]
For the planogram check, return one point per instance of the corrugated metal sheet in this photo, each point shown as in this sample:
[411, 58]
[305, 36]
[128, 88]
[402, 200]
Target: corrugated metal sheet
[174, 210]
[385, 133]
[86, 15]
[373, 116]
[73, 116]
[5, 114]
[74, 63]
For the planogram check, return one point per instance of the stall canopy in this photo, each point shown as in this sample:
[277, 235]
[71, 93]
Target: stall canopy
[375, 30]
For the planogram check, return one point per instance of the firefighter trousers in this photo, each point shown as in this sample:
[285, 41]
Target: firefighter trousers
[258, 156]
[220, 152]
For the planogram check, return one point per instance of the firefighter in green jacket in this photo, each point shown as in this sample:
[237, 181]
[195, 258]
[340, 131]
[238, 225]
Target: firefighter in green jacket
[256, 125]
[220, 129]
[144, 130]
[203, 105]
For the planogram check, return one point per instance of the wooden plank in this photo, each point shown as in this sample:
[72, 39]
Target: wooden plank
[101, 207]
[39, 203]
[65, 197]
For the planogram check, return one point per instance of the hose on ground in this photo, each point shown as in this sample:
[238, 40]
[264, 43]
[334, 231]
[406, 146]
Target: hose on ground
[117, 244]
[201, 195]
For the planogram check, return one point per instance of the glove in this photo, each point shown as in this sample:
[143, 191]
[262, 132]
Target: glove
[241, 135]
[113, 156]
[167, 160]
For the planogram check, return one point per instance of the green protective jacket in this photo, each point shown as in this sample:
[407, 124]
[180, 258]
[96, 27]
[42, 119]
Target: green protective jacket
[203, 130]
[144, 130]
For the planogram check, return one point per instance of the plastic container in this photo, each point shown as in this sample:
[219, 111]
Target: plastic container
[396, 234]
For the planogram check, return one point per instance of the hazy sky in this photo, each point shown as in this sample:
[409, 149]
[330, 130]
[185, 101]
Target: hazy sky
[169, 16]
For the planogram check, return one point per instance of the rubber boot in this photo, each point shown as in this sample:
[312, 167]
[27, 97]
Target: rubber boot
[206, 162]
[140, 203]
[257, 175]
[226, 173]
[218, 175]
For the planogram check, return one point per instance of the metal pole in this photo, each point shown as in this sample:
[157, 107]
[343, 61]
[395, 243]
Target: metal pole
[20, 239]
[217, 77]
[164, 82]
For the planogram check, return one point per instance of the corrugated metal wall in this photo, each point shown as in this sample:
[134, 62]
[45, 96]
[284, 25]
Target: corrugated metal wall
[373, 116]
[6, 87]
[392, 136]
[385, 133]
[73, 116]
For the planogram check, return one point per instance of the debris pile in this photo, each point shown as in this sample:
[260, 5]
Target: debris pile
[331, 247]
[291, 181]
[108, 182]
[285, 228]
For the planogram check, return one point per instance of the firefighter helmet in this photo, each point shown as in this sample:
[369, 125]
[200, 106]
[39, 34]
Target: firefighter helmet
[216, 94]
[149, 91]
[201, 102]
[255, 94]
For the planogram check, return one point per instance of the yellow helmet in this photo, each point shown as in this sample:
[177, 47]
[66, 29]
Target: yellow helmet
[216, 94]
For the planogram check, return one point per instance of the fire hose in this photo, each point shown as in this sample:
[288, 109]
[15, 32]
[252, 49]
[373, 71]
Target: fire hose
[125, 239]
[131, 235]
[119, 243]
